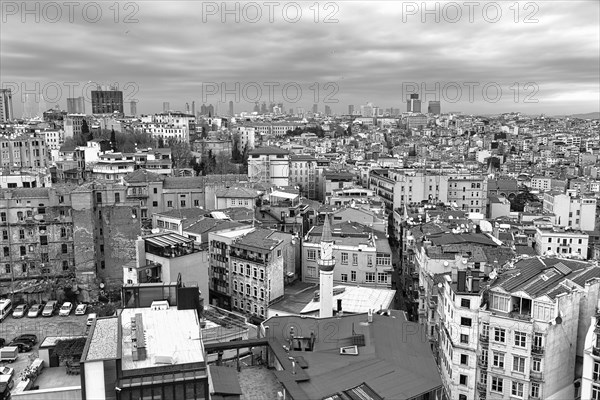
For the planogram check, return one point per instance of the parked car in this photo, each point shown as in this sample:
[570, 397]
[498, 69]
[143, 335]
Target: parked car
[2, 342]
[66, 309]
[20, 311]
[27, 337]
[81, 309]
[50, 308]
[7, 371]
[91, 318]
[23, 346]
[35, 310]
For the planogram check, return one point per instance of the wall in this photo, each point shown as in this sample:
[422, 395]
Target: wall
[94, 380]
[66, 393]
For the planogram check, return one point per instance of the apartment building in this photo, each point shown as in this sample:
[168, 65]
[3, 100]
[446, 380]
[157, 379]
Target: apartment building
[302, 174]
[575, 212]
[37, 234]
[560, 241]
[269, 165]
[236, 197]
[257, 272]
[362, 257]
[468, 192]
[590, 377]
[530, 327]
[24, 151]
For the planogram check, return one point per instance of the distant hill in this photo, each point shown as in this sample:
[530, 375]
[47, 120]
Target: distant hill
[592, 115]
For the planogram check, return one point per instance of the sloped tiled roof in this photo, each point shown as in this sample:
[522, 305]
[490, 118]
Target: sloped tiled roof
[142, 176]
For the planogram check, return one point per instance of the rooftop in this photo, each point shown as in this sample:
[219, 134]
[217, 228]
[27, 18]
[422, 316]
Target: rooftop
[268, 151]
[103, 340]
[237, 192]
[171, 335]
[393, 366]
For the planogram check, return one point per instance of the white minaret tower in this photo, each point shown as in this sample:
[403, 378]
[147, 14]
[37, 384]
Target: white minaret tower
[326, 264]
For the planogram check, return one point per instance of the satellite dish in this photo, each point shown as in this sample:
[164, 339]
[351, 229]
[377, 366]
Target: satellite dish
[155, 230]
[558, 319]
[445, 263]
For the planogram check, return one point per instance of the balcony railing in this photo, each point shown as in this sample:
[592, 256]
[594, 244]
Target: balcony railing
[537, 350]
[482, 363]
[536, 376]
[481, 387]
[484, 338]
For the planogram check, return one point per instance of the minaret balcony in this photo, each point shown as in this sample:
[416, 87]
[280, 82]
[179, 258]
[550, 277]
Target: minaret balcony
[326, 265]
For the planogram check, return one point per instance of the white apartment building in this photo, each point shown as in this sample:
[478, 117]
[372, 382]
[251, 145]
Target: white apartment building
[269, 165]
[469, 192]
[247, 137]
[572, 211]
[558, 241]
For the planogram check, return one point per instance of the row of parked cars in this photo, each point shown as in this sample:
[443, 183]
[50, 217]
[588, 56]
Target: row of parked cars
[47, 309]
[23, 342]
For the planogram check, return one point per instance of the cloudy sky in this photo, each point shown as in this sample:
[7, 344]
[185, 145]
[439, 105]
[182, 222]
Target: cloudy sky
[538, 57]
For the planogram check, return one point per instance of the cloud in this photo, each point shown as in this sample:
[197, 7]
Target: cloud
[373, 49]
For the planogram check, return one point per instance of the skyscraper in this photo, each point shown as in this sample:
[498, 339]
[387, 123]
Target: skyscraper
[315, 108]
[194, 109]
[76, 105]
[327, 110]
[231, 114]
[263, 108]
[351, 109]
[413, 104]
[166, 106]
[6, 108]
[187, 108]
[107, 101]
[133, 108]
[256, 107]
[434, 108]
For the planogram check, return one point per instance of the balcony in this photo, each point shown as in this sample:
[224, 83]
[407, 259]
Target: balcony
[536, 376]
[482, 363]
[481, 387]
[247, 257]
[422, 311]
[484, 339]
[537, 350]
[596, 352]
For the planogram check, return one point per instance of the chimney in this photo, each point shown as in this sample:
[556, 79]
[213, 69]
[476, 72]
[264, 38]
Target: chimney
[461, 282]
[370, 316]
[469, 283]
[476, 285]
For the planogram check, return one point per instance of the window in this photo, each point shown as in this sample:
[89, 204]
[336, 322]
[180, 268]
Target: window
[381, 277]
[344, 258]
[498, 360]
[462, 397]
[102, 265]
[169, 203]
[465, 321]
[262, 294]
[497, 384]
[370, 277]
[196, 203]
[466, 303]
[235, 286]
[535, 391]
[21, 234]
[7, 268]
[311, 271]
[45, 257]
[464, 359]
[354, 259]
[3, 217]
[464, 338]
[485, 330]
[518, 364]
[65, 265]
[262, 274]
[499, 335]
[369, 261]
[98, 197]
[64, 248]
[63, 233]
[182, 203]
[538, 340]
[462, 379]
[520, 338]
[23, 250]
[117, 197]
[278, 253]
[254, 291]
[247, 269]
[4, 235]
[6, 251]
[255, 272]
[311, 255]
[596, 372]
[247, 289]
[353, 276]
[344, 277]
[155, 204]
[517, 389]
[234, 267]
[536, 364]
[24, 267]
[155, 190]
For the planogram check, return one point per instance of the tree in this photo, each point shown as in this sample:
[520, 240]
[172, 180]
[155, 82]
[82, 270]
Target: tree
[113, 140]
[85, 131]
[180, 153]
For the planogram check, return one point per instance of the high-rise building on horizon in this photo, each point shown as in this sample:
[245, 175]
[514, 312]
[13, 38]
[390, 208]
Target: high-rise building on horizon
[413, 104]
[434, 108]
[6, 107]
[133, 108]
[194, 108]
[351, 109]
[166, 106]
[187, 108]
[107, 101]
[315, 109]
[76, 105]
[231, 113]
[327, 110]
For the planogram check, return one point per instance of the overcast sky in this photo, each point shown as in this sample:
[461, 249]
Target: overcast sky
[545, 58]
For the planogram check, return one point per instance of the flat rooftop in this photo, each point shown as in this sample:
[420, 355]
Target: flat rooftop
[168, 333]
[56, 377]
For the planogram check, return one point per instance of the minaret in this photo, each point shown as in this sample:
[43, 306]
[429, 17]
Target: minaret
[326, 264]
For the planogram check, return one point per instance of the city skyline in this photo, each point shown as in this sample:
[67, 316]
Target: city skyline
[378, 53]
